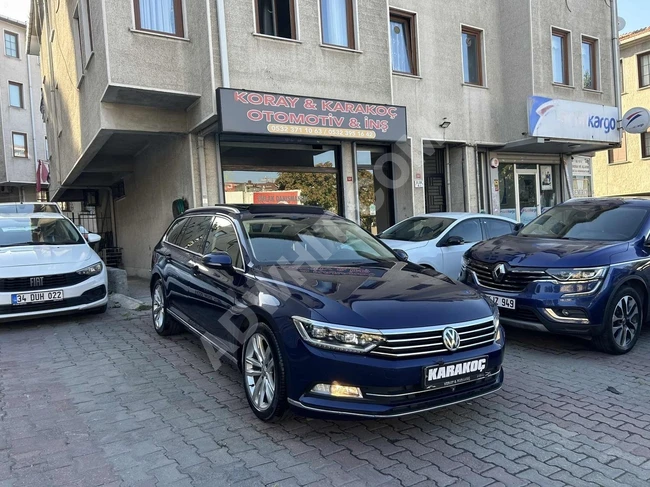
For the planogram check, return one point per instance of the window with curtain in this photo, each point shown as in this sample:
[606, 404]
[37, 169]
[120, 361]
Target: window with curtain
[276, 18]
[16, 95]
[403, 42]
[620, 154]
[589, 63]
[337, 20]
[163, 16]
[472, 56]
[11, 44]
[19, 144]
[560, 57]
[644, 70]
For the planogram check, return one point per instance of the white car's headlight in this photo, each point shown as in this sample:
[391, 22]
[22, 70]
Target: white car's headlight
[337, 337]
[91, 270]
[573, 275]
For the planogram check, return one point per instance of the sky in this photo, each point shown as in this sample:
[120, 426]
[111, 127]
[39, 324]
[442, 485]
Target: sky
[16, 9]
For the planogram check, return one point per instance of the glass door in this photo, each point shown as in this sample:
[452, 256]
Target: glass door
[374, 180]
[528, 200]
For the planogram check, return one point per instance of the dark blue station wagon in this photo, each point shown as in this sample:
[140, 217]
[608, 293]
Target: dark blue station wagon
[320, 316]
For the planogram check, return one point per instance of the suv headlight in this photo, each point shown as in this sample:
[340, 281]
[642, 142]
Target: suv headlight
[91, 270]
[337, 337]
[574, 275]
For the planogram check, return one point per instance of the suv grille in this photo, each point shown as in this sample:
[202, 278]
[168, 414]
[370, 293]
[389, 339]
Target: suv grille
[429, 342]
[49, 282]
[512, 281]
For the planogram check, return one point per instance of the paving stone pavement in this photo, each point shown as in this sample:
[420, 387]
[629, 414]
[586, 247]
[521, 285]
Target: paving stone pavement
[102, 400]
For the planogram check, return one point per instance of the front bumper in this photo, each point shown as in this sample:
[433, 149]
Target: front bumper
[89, 294]
[390, 387]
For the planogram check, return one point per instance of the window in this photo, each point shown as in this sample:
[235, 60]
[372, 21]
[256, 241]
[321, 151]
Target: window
[16, 95]
[418, 229]
[195, 233]
[118, 190]
[469, 230]
[472, 56]
[276, 18]
[645, 145]
[644, 69]
[560, 57]
[11, 44]
[403, 42]
[619, 155]
[20, 144]
[497, 228]
[589, 63]
[337, 20]
[175, 231]
[223, 238]
[165, 16]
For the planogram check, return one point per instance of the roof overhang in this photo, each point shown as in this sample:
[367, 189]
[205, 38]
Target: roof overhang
[33, 28]
[538, 145]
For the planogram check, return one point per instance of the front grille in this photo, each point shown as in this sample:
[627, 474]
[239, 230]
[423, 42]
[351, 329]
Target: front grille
[514, 280]
[52, 281]
[429, 342]
[88, 297]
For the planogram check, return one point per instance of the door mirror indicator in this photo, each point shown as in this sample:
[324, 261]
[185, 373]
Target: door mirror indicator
[217, 260]
[453, 240]
[401, 255]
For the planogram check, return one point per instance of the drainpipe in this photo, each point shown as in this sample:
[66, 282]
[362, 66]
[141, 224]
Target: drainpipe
[31, 111]
[616, 59]
[223, 45]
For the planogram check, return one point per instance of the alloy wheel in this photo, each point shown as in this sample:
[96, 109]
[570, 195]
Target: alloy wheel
[259, 369]
[625, 321]
[158, 307]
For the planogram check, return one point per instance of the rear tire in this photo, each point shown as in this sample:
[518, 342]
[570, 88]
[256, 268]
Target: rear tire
[264, 374]
[164, 324]
[623, 319]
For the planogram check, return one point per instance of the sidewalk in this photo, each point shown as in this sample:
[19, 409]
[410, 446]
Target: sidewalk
[139, 289]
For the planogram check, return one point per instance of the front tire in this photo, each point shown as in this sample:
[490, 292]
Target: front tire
[164, 324]
[264, 374]
[624, 317]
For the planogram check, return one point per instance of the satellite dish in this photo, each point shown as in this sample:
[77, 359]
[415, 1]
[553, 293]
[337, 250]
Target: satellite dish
[621, 24]
[636, 120]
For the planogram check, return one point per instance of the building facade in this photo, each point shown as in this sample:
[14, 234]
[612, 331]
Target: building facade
[22, 129]
[376, 110]
[622, 172]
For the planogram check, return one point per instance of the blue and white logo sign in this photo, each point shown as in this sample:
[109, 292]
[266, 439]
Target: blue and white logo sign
[563, 119]
[636, 120]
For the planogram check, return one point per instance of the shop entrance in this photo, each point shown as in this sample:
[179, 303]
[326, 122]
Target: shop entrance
[527, 190]
[375, 183]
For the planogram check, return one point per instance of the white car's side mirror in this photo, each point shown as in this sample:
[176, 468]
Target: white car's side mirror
[93, 238]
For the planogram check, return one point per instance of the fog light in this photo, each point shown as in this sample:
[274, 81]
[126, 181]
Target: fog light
[337, 390]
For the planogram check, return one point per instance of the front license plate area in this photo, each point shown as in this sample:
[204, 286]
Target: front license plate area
[36, 297]
[501, 302]
[456, 373]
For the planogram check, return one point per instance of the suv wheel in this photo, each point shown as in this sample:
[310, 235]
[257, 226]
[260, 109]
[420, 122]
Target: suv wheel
[164, 324]
[623, 320]
[264, 374]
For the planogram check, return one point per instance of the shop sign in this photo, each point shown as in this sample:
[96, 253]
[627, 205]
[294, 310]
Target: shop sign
[636, 120]
[581, 166]
[276, 197]
[563, 119]
[251, 112]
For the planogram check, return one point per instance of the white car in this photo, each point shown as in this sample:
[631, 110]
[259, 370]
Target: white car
[439, 240]
[48, 268]
[28, 208]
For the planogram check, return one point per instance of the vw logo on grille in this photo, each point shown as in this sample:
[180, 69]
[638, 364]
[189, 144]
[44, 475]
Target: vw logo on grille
[451, 339]
[499, 272]
[36, 281]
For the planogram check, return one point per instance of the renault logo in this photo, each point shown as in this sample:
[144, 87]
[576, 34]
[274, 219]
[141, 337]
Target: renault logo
[36, 281]
[451, 339]
[499, 272]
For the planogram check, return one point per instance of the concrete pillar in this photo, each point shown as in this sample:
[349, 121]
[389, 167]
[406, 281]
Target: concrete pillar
[349, 173]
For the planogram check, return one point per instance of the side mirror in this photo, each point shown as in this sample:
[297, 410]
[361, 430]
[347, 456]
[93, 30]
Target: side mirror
[401, 255]
[453, 241]
[518, 227]
[217, 260]
[93, 238]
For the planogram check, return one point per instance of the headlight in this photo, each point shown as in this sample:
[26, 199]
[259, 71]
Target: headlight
[496, 318]
[337, 337]
[464, 263]
[573, 275]
[91, 270]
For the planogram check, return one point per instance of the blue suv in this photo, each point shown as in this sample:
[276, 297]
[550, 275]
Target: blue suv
[581, 268]
[320, 316]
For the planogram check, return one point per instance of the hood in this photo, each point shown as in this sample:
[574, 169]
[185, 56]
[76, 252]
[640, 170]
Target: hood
[404, 245]
[44, 259]
[380, 296]
[546, 252]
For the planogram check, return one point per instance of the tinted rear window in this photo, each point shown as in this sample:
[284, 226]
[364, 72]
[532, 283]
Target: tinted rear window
[418, 229]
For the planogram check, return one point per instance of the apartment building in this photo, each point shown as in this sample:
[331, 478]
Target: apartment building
[22, 130]
[375, 110]
[624, 171]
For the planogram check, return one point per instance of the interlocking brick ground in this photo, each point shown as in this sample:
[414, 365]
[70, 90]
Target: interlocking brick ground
[102, 400]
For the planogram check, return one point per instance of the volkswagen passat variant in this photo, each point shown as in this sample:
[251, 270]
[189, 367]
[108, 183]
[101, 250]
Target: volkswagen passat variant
[46, 267]
[320, 316]
[581, 268]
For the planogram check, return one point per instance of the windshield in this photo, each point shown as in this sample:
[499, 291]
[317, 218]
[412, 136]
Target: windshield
[38, 231]
[608, 221]
[312, 239]
[418, 229]
[24, 209]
